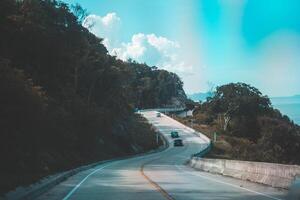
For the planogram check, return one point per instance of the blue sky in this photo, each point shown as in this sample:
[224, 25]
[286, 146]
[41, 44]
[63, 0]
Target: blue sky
[206, 42]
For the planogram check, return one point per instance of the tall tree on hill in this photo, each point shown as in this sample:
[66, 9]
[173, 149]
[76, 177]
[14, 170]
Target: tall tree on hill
[238, 100]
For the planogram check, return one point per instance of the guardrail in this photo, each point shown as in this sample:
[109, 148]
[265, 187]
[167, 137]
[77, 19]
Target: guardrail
[164, 110]
[205, 151]
[205, 138]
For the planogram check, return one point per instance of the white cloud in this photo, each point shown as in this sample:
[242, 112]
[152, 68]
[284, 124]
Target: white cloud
[110, 19]
[97, 23]
[134, 49]
[150, 48]
[106, 27]
[161, 43]
[154, 50]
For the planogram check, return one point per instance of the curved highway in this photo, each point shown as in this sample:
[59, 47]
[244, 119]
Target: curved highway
[162, 175]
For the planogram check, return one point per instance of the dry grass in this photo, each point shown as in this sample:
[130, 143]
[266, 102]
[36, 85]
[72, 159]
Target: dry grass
[226, 146]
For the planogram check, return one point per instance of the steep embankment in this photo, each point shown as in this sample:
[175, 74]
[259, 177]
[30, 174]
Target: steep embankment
[64, 101]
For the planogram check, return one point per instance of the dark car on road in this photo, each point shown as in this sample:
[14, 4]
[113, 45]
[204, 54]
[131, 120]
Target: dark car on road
[174, 134]
[178, 142]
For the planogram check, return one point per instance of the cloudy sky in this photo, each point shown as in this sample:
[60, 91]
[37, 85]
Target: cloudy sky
[206, 42]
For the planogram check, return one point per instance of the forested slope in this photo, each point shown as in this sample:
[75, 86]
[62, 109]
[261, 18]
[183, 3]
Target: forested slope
[64, 100]
[247, 126]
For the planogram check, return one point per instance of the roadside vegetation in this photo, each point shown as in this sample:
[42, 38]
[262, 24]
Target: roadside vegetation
[247, 126]
[64, 101]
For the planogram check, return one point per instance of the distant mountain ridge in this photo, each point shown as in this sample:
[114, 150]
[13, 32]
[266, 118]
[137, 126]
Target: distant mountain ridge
[289, 105]
[297, 96]
[286, 100]
[200, 96]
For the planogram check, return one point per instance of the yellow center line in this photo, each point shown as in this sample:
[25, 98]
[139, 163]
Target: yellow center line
[154, 184]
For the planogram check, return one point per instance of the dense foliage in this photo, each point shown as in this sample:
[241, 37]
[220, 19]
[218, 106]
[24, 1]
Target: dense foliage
[64, 100]
[249, 126]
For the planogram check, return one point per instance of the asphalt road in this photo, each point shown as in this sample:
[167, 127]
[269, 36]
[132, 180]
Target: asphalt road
[161, 176]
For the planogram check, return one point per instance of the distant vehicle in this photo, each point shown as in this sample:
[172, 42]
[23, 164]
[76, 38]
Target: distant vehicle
[178, 142]
[158, 114]
[174, 134]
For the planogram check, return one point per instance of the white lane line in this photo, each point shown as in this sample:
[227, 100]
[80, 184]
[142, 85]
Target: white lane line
[101, 168]
[78, 185]
[232, 185]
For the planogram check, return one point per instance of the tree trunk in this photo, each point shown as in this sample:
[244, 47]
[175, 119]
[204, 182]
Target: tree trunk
[226, 121]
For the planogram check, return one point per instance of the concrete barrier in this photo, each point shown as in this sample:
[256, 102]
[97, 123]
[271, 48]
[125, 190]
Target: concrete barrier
[275, 175]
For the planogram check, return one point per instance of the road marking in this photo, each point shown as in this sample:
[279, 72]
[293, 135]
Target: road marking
[83, 180]
[222, 182]
[101, 168]
[160, 189]
[155, 185]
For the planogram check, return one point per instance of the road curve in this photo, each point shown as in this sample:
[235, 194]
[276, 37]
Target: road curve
[161, 176]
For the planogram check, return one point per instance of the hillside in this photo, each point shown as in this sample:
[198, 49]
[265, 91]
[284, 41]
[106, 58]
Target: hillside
[64, 100]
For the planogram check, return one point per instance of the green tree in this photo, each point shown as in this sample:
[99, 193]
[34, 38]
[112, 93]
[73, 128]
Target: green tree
[240, 101]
